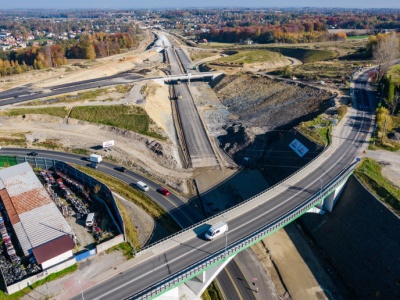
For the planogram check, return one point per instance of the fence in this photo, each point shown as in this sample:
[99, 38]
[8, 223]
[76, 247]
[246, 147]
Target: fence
[31, 280]
[84, 255]
[203, 265]
[109, 244]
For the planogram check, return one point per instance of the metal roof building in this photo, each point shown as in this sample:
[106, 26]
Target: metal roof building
[33, 214]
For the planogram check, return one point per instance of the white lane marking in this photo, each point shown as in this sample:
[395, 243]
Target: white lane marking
[236, 228]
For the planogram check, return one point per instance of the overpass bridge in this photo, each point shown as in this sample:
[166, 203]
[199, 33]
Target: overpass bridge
[186, 77]
[188, 258]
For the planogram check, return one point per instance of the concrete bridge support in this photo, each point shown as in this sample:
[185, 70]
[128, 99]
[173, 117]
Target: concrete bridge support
[330, 201]
[195, 287]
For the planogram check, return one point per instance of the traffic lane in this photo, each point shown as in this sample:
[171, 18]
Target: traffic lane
[196, 248]
[72, 88]
[232, 276]
[195, 135]
[23, 89]
[171, 203]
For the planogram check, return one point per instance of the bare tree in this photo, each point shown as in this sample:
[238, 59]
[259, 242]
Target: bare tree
[385, 52]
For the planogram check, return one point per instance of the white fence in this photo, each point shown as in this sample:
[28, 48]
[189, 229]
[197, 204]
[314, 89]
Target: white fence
[11, 289]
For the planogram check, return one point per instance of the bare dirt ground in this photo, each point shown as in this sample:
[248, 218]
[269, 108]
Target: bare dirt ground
[83, 69]
[390, 162]
[258, 104]
[285, 255]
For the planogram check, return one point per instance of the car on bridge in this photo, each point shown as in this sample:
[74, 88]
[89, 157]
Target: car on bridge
[33, 153]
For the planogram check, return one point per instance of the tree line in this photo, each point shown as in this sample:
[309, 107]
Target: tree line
[52, 56]
[290, 33]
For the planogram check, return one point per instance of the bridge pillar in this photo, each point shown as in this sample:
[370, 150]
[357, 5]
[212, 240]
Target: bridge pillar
[195, 287]
[330, 201]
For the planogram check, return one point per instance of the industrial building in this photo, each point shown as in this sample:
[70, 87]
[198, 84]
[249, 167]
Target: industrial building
[40, 228]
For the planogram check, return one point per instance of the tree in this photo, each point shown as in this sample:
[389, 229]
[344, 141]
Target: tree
[386, 51]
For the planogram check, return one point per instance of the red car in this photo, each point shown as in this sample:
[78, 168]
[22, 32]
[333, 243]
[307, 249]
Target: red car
[164, 191]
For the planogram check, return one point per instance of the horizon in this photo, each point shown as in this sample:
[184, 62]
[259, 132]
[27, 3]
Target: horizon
[206, 4]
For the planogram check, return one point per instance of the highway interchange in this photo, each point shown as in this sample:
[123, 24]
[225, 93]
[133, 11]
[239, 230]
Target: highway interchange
[161, 264]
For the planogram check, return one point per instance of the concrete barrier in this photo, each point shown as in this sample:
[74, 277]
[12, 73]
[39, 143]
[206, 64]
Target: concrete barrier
[109, 244]
[11, 289]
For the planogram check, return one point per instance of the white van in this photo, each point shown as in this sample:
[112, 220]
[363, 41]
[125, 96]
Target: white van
[141, 185]
[216, 230]
[90, 220]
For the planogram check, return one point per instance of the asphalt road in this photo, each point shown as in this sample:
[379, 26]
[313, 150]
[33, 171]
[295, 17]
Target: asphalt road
[186, 63]
[198, 144]
[234, 284]
[26, 93]
[159, 266]
[184, 214]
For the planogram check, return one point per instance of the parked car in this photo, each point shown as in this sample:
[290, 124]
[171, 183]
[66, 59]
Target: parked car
[163, 191]
[33, 153]
[120, 169]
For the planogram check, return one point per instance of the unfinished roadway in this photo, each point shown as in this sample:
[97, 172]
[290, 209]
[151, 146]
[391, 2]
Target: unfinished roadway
[196, 140]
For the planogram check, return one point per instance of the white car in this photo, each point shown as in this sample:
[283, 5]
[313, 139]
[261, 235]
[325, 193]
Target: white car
[141, 185]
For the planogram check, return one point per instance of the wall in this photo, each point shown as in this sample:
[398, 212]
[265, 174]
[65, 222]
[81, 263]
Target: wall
[111, 243]
[56, 260]
[31, 280]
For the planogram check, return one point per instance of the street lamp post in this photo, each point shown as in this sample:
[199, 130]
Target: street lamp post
[226, 242]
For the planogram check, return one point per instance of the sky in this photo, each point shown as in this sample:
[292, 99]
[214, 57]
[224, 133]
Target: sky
[135, 4]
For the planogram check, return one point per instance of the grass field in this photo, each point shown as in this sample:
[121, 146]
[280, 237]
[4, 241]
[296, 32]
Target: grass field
[325, 69]
[61, 112]
[305, 55]
[357, 37]
[250, 56]
[137, 197]
[370, 174]
[196, 56]
[126, 117]
[394, 73]
[317, 130]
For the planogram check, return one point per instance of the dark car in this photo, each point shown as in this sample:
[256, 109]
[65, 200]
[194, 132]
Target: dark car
[120, 169]
[163, 191]
[33, 153]
[92, 165]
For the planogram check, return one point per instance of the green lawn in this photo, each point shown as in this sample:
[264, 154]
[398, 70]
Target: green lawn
[61, 112]
[370, 174]
[357, 37]
[305, 55]
[394, 73]
[132, 118]
[251, 56]
[317, 130]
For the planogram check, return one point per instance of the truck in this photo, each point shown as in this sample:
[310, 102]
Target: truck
[216, 230]
[95, 158]
[90, 220]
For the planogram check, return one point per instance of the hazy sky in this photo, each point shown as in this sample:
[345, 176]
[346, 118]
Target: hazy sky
[190, 3]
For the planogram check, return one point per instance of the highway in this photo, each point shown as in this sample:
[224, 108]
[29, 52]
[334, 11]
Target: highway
[197, 142]
[27, 93]
[186, 63]
[159, 262]
[184, 214]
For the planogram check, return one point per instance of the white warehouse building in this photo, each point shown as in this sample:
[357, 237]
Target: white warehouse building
[41, 229]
